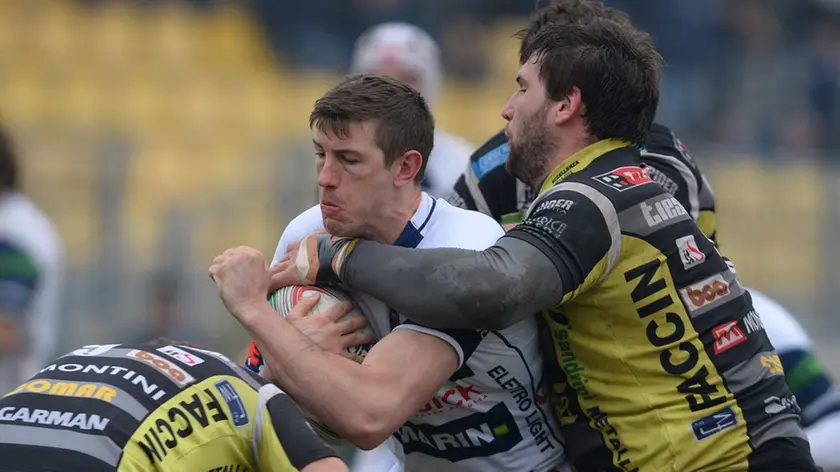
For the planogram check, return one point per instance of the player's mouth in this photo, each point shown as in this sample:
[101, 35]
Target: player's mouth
[329, 209]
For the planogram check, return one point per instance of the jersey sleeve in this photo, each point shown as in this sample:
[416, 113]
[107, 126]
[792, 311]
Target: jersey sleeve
[303, 225]
[284, 441]
[577, 228]
[19, 278]
[463, 341]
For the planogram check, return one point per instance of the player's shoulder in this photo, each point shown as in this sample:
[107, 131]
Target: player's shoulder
[306, 223]
[24, 224]
[782, 327]
[459, 228]
[491, 156]
[664, 145]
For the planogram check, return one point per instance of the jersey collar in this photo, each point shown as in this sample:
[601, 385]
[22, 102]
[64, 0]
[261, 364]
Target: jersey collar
[579, 160]
[412, 233]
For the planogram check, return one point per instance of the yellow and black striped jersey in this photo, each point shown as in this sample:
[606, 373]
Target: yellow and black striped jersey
[152, 407]
[669, 365]
[486, 186]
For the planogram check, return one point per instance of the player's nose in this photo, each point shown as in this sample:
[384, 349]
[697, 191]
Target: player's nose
[329, 173]
[507, 111]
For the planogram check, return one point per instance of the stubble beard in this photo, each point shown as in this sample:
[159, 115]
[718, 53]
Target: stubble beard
[531, 152]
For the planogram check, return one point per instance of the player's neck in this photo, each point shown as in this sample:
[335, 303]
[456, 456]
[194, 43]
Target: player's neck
[396, 215]
[566, 148]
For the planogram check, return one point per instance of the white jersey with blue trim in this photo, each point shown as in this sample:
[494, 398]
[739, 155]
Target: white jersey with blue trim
[815, 393]
[492, 413]
[31, 278]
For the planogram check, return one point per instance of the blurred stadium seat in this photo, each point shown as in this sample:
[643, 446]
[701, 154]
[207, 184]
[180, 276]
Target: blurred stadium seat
[215, 124]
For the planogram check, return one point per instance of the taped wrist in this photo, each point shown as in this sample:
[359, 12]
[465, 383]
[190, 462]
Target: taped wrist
[332, 253]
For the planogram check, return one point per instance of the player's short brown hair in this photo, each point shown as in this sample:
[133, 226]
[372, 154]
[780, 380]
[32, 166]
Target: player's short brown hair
[402, 117]
[615, 67]
[8, 164]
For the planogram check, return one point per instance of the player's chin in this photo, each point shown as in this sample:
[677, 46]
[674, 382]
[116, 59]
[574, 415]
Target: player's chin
[337, 228]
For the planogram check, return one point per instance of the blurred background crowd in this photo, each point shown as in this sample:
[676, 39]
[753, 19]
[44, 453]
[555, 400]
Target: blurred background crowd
[158, 133]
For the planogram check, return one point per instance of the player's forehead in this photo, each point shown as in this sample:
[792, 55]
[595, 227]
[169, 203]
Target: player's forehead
[356, 135]
[529, 71]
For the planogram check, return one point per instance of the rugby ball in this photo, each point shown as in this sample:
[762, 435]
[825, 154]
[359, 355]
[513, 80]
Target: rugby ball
[284, 300]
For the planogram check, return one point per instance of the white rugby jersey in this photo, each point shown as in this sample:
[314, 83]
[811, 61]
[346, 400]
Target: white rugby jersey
[815, 393]
[450, 155]
[492, 413]
[31, 265]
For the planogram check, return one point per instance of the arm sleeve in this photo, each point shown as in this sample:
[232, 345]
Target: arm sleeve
[564, 247]
[289, 439]
[463, 341]
[19, 278]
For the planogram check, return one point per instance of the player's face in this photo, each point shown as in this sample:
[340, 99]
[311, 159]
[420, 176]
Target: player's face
[531, 143]
[406, 76]
[353, 182]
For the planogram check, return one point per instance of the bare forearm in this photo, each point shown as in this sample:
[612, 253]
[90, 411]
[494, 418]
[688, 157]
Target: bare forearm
[327, 385]
[456, 288]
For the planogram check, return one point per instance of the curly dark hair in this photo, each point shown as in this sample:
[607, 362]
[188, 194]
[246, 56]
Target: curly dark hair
[614, 65]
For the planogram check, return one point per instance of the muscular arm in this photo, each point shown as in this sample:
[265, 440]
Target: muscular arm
[549, 258]
[366, 402]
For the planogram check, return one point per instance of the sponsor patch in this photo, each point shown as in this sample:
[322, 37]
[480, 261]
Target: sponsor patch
[624, 178]
[690, 254]
[714, 423]
[727, 336]
[238, 413]
[177, 374]
[177, 353]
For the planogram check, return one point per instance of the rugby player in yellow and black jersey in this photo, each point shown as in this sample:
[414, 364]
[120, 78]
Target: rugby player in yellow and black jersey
[643, 311]
[150, 407]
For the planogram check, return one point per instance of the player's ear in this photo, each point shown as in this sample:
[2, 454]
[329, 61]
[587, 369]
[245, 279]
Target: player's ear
[568, 107]
[408, 165]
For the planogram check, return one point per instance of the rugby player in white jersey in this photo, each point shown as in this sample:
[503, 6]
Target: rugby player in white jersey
[31, 265]
[455, 400]
[815, 393]
[407, 53]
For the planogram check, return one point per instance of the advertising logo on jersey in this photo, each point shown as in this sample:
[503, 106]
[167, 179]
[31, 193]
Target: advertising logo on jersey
[753, 323]
[705, 292]
[690, 254]
[65, 419]
[475, 435]
[714, 423]
[774, 405]
[496, 157]
[727, 336]
[175, 373]
[179, 354]
[452, 397]
[624, 178]
[237, 408]
[772, 364]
